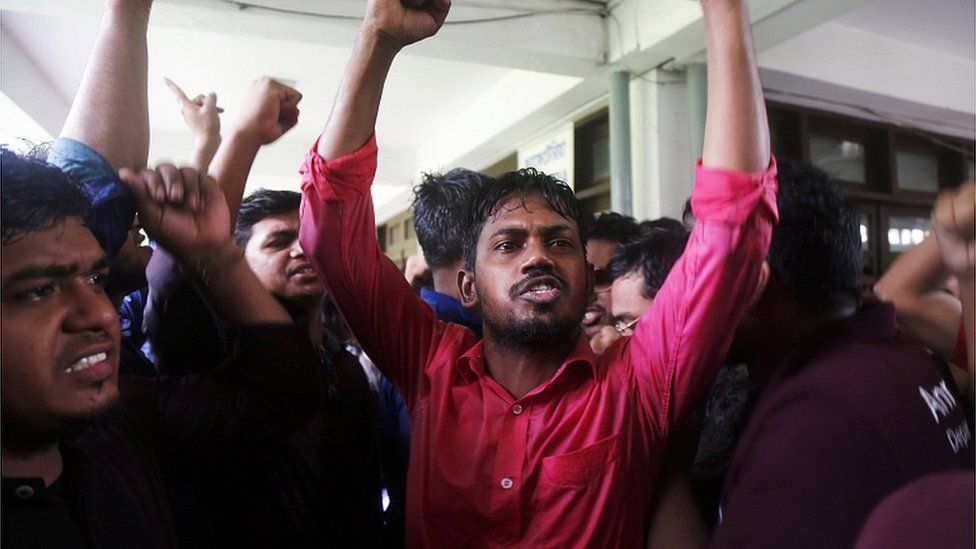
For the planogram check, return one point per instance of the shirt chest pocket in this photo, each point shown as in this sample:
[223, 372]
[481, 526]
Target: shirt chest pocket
[580, 467]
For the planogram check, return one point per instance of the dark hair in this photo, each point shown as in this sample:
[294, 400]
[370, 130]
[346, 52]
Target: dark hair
[688, 216]
[816, 247]
[661, 224]
[653, 253]
[610, 226]
[527, 181]
[260, 204]
[35, 196]
[439, 209]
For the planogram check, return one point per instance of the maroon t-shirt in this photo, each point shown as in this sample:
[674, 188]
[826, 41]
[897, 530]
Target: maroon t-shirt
[933, 511]
[847, 418]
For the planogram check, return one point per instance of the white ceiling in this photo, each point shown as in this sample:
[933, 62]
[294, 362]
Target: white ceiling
[946, 26]
[423, 95]
[446, 98]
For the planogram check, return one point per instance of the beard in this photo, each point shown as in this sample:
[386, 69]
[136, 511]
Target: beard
[23, 438]
[531, 333]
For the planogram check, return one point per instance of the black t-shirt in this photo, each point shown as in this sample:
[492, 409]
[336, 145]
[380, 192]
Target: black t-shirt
[39, 516]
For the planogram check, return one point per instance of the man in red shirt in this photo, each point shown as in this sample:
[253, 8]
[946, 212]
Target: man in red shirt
[527, 438]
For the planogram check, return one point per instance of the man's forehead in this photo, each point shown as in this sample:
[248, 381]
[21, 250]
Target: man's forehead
[527, 208]
[279, 222]
[66, 243]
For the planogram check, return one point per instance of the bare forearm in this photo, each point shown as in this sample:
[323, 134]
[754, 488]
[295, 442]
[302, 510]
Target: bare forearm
[967, 292]
[353, 117]
[232, 166]
[110, 111]
[917, 271]
[913, 284]
[203, 153]
[232, 290]
[736, 129]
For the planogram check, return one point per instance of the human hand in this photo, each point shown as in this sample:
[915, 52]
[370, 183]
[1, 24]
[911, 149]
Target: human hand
[200, 113]
[185, 212]
[270, 110]
[604, 339]
[405, 21]
[954, 225]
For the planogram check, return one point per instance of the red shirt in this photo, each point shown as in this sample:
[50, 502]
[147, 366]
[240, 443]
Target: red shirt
[573, 462]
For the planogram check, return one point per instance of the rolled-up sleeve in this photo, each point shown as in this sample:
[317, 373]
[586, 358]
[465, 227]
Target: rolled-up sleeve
[681, 340]
[338, 233]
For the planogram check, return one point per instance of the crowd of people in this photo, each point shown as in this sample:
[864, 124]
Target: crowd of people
[265, 376]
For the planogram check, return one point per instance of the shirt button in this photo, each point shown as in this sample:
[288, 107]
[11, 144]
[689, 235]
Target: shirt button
[517, 409]
[24, 492]
[507, 483]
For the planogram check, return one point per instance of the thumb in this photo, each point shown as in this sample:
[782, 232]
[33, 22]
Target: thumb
[138, 183]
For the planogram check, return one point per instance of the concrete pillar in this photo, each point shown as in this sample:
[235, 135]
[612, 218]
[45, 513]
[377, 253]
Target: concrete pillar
[696, 85]
[663, 155]
[621, 200]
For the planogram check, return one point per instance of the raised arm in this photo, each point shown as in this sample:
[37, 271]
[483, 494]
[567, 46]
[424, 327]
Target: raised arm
[913, 283]
[736, 129]
[108, 125]
[270, 110]
[681, 340]
[202, 115]
[338, 231]
[110, 112]
[187, 214]
[954, 221]
[389, 25]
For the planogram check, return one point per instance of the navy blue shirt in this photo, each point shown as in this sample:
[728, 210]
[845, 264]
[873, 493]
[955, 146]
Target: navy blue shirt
[448, 309]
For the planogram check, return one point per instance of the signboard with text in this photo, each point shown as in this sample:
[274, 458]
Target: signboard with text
[553, 154]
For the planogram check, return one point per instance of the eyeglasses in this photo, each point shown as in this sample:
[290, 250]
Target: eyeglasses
[625, 328]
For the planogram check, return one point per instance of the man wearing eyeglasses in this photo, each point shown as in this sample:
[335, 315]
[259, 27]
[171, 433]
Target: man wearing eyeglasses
[637, 271]
[603, 234]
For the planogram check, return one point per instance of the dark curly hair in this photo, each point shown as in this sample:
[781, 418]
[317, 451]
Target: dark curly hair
[260, 204]
[439, 207]
[610, 226]
[653, 253]
[525, 182]
[35, 196]
[816, 247]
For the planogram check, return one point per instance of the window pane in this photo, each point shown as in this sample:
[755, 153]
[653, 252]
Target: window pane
[905, 232]
[601, 158]
[918, 171]
[840, 158]
[865, 232]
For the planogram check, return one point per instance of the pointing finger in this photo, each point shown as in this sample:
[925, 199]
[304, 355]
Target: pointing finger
[180, 96]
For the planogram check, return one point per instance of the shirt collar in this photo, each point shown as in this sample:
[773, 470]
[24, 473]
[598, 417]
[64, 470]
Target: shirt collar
[471, 365]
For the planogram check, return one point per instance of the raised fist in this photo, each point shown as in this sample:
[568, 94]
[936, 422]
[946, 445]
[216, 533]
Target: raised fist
[954, 225]
[270, 110]
[182, 210]
[405, 21]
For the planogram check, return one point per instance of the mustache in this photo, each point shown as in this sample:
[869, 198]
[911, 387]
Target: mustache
[82, 341]
[532, 278]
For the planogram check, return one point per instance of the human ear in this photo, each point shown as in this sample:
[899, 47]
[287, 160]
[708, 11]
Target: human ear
[467, 289]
